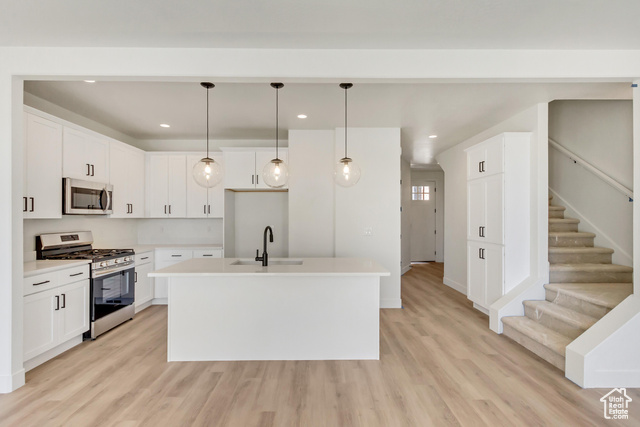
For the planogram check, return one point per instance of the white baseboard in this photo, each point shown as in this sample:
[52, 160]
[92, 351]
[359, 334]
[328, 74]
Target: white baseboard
[481, 309]
[455, 285]
[160, 301]
[50, 354]
[9, 383]
[405, 269]
[144, 305]
[390, 303]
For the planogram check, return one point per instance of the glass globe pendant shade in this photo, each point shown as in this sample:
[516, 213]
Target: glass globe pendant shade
[346, 172]
[208, 173]
[275, 173]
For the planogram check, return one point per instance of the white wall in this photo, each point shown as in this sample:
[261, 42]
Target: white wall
[311, 193]
[454, 164]
[438, 177]
[179, 230]
[600, 132]
[373, 203]
[253, 212]
[405, 174]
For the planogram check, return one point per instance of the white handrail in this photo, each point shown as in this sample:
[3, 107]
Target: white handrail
[594, 170]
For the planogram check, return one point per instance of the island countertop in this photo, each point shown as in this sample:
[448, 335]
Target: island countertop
[310, 267]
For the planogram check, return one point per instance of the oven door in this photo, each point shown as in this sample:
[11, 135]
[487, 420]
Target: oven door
[86, 197]
[111, 291]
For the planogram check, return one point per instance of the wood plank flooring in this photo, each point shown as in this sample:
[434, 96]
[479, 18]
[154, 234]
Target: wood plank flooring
[440, 365]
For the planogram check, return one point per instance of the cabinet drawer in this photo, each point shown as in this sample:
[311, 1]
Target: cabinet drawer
[144, 258]
[41, 282]
[207, 253]
[174, 255]
[73, 275]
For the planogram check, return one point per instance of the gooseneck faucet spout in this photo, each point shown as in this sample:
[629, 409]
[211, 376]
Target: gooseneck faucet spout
[265, 256]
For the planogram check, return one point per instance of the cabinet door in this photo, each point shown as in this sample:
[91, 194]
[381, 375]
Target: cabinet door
[476, 273]
[75, 163]
[494, 209]
[476, 200]
[137, 184]
[215, 199]
[43, 157]
[120, 179]
[197, 203]
[74, 309]
[240, 169]
[177, 186]
[262, 159]
[494, 162]
[475, 157]
[97, 155]
[158, 186]
[40, 323]
[144, 290]
[494, 260]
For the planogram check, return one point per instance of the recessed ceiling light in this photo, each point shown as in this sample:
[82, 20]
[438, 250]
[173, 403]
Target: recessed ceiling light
[89, 81]
[433, 136]
[164, 125]
[302, 116]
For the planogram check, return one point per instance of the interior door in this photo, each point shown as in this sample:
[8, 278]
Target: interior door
[423, 221]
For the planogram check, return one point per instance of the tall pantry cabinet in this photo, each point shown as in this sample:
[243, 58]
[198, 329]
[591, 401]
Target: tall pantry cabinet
[498, 216]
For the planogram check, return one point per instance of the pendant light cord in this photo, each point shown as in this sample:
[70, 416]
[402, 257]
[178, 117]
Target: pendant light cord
[207, 123]
[277, 110]
[345, 122]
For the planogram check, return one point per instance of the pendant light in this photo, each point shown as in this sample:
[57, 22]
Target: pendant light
[207, 172]
[346, 172]
[275, 174]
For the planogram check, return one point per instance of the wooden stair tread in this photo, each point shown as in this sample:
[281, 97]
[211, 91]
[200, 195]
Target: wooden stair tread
[591, 267]
[571, 234]
[556, 208]
[564, 221]
[563, 314]
[604, 294]
[579, 249]
[549, 338]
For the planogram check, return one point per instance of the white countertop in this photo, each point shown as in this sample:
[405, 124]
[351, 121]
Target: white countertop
[139, 249]
[310, 267]
[33, 268]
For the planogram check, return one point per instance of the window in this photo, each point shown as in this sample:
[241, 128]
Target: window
[420, 192]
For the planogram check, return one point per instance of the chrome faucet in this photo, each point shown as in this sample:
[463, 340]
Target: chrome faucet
[265, 256]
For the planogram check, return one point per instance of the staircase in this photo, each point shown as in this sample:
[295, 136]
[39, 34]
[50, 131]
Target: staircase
[584, 286]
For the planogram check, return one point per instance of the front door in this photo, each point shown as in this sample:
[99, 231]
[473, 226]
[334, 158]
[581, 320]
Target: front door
[423, 221]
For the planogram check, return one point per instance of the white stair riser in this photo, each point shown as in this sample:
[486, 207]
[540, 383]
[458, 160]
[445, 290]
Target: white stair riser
[551, 322]
[570, 241]
[590, 276]
[580, 258]
[535, 347]
[576, 304]
[563, 226]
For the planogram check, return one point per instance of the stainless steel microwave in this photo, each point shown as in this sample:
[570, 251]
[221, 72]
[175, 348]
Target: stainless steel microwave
[86, 198]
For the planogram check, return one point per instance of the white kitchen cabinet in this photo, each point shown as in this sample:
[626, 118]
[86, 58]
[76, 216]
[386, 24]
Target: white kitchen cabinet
[167, 186]
[243, 168]
[498, 216]
[42, 179]
[84, 156]
[127, 174]
[203, 202]
[143, 283]
[485, 266]
[55, 315]
[166, 258]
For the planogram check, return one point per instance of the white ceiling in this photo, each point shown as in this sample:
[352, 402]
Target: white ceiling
[378, 24]
[245, 111]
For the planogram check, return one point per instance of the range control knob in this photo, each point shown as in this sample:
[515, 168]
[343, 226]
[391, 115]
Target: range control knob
[127, 258]
[116, 261]
[103, 264]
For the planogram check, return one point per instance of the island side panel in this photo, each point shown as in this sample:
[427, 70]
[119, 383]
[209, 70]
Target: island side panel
[274, 318]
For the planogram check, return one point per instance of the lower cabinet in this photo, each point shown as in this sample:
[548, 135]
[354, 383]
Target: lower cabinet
[485, 272]
[55, 316]
[144, 287]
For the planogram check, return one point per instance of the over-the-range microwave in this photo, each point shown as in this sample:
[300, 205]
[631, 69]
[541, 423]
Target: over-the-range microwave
[86, 197]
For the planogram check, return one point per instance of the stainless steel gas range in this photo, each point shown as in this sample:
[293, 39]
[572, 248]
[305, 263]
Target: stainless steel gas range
[112, 276]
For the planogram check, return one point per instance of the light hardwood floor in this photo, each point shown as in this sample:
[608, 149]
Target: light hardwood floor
[440, 365]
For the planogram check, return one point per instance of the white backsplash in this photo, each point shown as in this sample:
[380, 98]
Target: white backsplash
[174, 230]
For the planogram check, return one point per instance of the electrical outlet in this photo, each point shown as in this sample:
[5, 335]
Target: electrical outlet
[368, 231]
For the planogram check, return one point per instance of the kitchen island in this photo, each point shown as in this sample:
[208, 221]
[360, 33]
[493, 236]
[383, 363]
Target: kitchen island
[302, 309]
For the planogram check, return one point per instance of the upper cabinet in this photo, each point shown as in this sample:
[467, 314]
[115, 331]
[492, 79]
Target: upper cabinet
[486, 158]
[166, 185]
[243, 167]
[203, 202]
[85, 156]
[127, 172]
[42, 186]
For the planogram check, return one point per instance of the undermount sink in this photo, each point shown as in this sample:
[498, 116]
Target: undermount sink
[273, 262]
